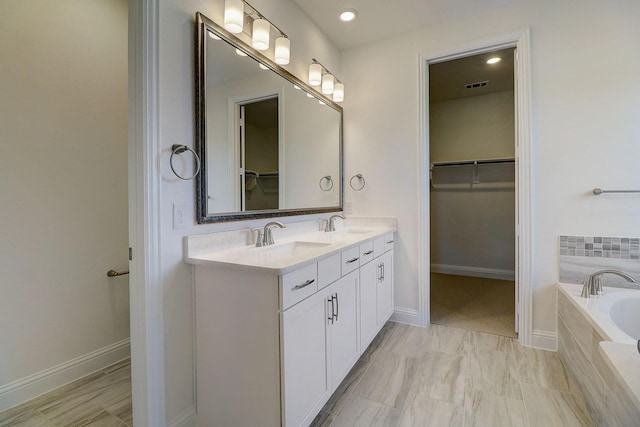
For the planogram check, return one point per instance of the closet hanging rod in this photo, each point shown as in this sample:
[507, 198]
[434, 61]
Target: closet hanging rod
[473, 162]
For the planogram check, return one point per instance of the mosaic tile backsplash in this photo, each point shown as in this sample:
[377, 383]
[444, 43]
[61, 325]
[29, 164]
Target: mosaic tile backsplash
[600, 247]
[582, 255]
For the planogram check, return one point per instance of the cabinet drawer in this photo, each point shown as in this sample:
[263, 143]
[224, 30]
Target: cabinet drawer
[350, 260]
[299, 284]
[329, 270]
[366, 252]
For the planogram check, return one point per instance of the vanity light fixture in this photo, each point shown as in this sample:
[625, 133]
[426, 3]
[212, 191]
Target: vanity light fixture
[234, 16]
[237, 12]
[338, 92]
[315, 74]
[283, 50]
[319, 75]
[328, 82]
[260, 37]
[494, 60]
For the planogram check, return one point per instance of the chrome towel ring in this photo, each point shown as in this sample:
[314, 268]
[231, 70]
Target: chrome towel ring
[179, 149]
[328, 183]
[360, 180]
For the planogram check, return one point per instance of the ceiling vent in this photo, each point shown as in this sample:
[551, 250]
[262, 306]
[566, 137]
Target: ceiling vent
[476, 85]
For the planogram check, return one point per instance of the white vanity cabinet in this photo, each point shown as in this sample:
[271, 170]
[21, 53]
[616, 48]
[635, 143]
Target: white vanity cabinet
[272, 348]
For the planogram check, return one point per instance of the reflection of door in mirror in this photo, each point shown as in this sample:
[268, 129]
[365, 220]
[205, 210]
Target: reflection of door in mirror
[259, 159]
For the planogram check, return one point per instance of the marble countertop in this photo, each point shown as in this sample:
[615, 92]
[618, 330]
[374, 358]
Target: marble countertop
[624, 360]
[291, 251]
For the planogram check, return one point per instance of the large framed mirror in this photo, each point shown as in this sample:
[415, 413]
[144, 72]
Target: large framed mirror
[269, 144]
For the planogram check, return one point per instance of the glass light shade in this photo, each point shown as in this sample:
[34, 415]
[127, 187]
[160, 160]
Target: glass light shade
[234, 16]
[338, 92]
[213, 36]
[315, 74]
[310, 96]
[240, 53]
[283, 51]
[260, 36]
[263, 67]
[327, 84]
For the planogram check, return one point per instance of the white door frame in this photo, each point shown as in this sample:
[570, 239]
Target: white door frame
[145, 279]
[521, 41]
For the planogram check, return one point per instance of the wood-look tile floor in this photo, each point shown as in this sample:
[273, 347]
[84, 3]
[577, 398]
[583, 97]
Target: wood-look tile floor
[408, 377]
[102, 399]
[442, 376]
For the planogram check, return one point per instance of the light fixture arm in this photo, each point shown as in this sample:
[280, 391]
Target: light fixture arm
[325, 69]
[261, 16]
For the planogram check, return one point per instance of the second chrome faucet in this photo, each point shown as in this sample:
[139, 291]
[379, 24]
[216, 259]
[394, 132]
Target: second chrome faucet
[267, 235]
[330, 225]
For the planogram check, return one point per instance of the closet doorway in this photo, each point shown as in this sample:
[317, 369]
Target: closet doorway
[472, 215]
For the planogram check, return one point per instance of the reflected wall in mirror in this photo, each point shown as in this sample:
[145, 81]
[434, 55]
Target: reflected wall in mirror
[271, 145]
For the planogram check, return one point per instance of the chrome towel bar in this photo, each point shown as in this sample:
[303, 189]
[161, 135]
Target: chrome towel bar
[598, 191]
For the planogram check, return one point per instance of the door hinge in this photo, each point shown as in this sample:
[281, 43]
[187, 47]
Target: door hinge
[130, 254]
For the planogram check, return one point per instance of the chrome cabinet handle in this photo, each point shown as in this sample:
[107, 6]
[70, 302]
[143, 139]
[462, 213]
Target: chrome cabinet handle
[332, 315]
[337, 306]
[390, 241]
[353, 260]
[379, 272]
[383, 271]
[304, 285]
[368, 253]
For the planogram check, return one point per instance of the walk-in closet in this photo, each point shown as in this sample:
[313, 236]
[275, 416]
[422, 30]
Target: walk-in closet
[472, 192]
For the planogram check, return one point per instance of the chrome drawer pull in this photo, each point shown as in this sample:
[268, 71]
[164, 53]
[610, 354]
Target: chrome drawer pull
[368, 253]
[304, 285]
[353, 260]
[390, 241]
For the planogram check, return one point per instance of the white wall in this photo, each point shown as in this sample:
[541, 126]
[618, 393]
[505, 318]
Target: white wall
[63, 186]
[585, 109]
[473, 225]
[176, 126]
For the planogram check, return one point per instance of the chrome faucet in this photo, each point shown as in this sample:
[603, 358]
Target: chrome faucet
[330, 224]
[593, 286]
[267, 236]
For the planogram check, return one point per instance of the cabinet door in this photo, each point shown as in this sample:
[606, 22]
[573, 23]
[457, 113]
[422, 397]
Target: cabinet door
[385, 287]
[368, 304]
[304, 363]
[343, 331]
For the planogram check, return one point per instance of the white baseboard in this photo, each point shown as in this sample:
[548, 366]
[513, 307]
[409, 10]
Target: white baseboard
[34, 385]
[185, 419]
[544, 339]
[406, 315]
[461, 270]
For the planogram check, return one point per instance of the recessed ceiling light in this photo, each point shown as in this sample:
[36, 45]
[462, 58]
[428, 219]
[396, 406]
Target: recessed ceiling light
[348, 15]
[494, 60]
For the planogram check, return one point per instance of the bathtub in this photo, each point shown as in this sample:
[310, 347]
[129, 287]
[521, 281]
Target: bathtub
[615, 314]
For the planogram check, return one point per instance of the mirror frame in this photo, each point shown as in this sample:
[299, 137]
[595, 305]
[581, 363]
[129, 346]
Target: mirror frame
[204, 24]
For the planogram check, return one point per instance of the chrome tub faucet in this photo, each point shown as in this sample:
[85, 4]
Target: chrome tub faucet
[593, 286]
